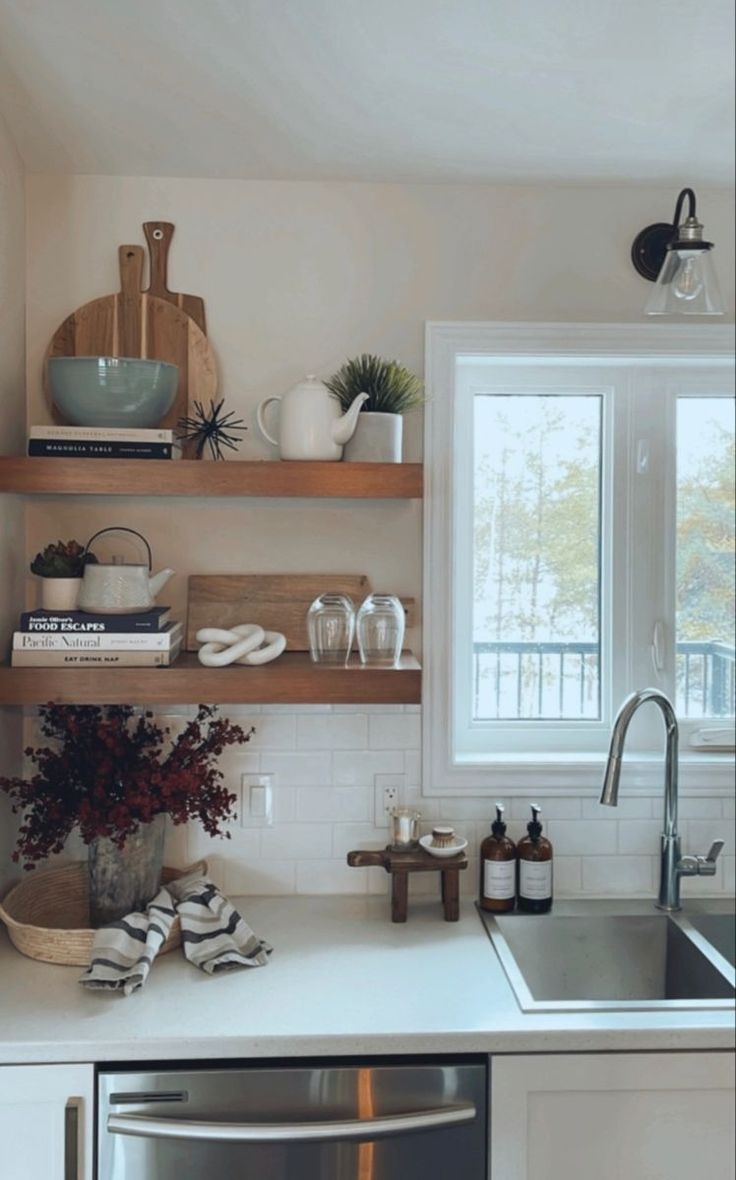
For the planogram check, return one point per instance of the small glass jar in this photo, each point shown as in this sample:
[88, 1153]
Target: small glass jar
[380, 625]
[331, 628]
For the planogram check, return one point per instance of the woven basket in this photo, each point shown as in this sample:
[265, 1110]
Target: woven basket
[47, 914]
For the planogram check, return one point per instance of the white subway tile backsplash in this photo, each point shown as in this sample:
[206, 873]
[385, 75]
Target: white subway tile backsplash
[329, 876]
[260, 877]
[413, 768]
[342, 731]
[274, 732]
[284, 804]
[394, 731]
[694, 807]
[639, 836]
[347, 837]
[699, 834]
[297, 842]
[552, 808]
[581, 837]
[618, 874]
[333, 804]
[629, 807]
[568, 876]
[328, 762]
[298, 769]
[357, 768]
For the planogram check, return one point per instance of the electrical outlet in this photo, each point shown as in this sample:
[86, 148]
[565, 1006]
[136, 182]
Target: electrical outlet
[256, 810]
[388, 790]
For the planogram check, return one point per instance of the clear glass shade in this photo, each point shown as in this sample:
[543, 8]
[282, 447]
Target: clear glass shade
[686, 285]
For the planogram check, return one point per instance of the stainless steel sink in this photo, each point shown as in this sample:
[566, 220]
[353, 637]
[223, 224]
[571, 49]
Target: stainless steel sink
[595, 960]
[720, 931]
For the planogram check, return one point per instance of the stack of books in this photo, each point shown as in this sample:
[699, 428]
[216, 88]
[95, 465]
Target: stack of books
[76, 639]
[102, 442]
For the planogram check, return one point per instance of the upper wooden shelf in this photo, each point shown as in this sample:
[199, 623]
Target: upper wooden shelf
[292, 679]
[189, 477]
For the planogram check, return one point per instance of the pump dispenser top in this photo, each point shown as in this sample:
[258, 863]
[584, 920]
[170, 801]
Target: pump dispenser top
[535, 868]
[497, 868]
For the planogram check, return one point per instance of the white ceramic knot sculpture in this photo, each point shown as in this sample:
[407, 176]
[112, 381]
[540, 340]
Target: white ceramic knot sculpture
[245, 644]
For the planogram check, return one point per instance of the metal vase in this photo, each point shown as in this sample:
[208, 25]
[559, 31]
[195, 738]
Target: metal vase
[122, 880]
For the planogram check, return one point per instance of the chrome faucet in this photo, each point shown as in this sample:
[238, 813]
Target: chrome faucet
[673, 866]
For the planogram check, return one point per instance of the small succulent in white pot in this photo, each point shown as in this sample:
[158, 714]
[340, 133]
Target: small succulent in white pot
[392, 392]
[60, 567]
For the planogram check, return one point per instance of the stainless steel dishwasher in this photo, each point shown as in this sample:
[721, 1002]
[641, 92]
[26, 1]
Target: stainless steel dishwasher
[403, 1121]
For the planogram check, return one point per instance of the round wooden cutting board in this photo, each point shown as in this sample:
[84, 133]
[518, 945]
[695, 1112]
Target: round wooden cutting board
[133, 323]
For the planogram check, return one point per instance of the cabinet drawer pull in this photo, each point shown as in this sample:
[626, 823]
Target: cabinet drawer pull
[71, 1139]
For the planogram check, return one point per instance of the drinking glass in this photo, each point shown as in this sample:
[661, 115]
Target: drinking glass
[380, 626]
[331, 628]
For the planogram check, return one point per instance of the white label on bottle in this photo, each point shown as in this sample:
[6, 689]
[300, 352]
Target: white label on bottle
[535, 879]
[499, 879]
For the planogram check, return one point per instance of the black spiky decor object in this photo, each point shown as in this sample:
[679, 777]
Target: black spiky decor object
[210, 428]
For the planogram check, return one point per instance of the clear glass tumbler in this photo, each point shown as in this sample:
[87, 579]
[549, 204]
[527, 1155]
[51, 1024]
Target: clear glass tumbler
[331, 628]
[380, 625]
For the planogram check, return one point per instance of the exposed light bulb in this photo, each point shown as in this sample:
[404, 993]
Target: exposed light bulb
[687, 283]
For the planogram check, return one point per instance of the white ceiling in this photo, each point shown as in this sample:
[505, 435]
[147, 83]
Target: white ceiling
[612, 91]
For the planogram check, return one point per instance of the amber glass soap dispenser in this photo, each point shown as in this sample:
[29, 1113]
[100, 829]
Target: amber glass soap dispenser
[498, 868]
[535, 868]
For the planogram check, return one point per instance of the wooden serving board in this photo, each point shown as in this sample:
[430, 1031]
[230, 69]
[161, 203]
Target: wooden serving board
[135, 324]
[277, 602]
[159, 235]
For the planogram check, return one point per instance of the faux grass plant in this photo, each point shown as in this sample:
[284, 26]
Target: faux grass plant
[391, 388]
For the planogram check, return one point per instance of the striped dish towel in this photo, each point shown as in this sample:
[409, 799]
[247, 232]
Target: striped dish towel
[214, 937]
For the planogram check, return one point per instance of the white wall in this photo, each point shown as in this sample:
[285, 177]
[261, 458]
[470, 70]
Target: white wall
[296, 277]
[12, 392]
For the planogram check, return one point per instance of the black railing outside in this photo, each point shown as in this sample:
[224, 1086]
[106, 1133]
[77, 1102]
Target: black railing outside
[706, 679]
[561, 681]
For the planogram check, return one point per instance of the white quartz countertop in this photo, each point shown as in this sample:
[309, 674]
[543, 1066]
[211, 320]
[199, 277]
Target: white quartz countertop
[343, 980]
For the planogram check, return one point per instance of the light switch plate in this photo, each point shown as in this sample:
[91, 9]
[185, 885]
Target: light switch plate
[257, 800]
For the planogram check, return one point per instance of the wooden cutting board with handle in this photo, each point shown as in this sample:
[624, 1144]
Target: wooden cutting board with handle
[277, 602]
[133, 323]
[159, 235]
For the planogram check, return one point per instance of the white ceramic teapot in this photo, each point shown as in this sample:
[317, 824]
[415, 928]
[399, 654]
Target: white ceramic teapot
[312, 425]
[117, 587]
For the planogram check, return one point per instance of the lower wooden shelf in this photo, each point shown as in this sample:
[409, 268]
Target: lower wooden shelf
[292, 679]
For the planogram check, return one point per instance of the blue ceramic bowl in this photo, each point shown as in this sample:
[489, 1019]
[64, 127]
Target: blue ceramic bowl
[111, 391]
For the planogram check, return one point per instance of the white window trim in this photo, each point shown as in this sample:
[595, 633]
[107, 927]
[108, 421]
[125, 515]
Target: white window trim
[544, 774]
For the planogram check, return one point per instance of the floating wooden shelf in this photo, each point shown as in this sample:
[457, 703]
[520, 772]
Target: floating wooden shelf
[189, 477]
[292, 679]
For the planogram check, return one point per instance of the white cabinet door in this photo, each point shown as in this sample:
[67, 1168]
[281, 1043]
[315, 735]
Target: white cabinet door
[46, 1115]
[619, 1116]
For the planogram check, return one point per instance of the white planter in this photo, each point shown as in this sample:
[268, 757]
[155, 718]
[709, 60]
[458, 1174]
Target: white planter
[377, 439]
[60, 594]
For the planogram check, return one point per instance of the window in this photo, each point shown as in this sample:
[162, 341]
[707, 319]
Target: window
[579, 544]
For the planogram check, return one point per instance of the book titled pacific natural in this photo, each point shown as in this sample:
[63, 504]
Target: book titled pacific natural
[163, 640]
[80, 621]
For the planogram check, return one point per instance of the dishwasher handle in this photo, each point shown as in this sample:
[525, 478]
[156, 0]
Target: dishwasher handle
[333, 1131]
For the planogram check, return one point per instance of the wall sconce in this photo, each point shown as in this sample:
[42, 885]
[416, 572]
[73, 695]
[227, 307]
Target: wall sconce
[680, 262]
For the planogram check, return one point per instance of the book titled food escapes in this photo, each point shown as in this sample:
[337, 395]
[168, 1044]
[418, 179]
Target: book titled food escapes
[81, 621]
